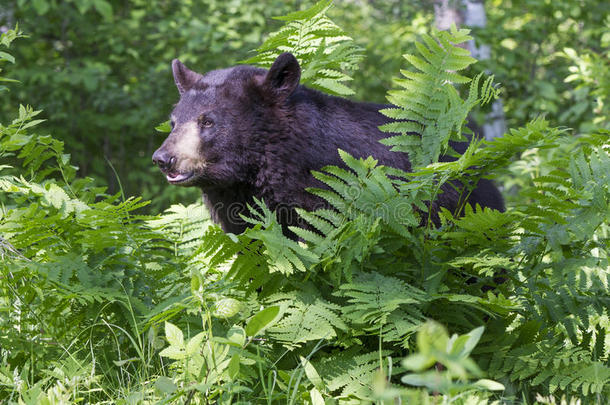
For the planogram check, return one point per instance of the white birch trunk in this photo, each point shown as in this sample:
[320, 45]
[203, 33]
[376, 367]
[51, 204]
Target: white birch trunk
[6, 14]
[474, 16]
[446, 13]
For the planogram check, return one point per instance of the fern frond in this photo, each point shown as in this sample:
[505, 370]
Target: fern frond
[372, 299]
[185, 226]
[430, 107]
[365, 188]
[307, 317]
[283, 255]
[323, 50]
[551, 364]
[352, 373]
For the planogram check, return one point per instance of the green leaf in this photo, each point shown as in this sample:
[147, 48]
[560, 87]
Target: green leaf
[312, 374]
[421, 380]
[233, 368]
[32, 123]
[489, 385]
[226, 308]
[174, 335]
[473, 338]
[461, 346]
[262, 320]
[7, 56]
[432, 336]
[316, 397]
[165, 385]
[194, 344]
[104, 8]
[237, 335]
[418, 362]
[173, 352]
[164, 127]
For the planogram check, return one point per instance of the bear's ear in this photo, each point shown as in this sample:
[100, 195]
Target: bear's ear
[283, 76]
[184, 77]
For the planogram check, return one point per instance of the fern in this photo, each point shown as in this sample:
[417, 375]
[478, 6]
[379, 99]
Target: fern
[383, 303]
[429, 109]
[185, 226]
[283, 255]
[366, 188]
[362, 189]
[77, 254]
[307, 317]
[351, 373]
[552, 365]
[323, 50]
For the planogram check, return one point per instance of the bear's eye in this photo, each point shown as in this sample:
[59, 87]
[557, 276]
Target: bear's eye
[206, 122]
[172, 124]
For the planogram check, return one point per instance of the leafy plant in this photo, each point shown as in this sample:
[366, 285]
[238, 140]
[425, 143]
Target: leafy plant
[429, 110]
[435, 347]
[323, 50]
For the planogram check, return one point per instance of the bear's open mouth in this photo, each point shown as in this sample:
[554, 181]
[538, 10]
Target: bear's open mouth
[175, 177]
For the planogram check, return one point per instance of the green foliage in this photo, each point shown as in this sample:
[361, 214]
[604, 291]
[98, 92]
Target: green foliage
[453, 353]
[283, 253]
[7, 38]
[429, 110]
[323, 50]
[307, 318]
[102, 304]
[528, 56]
[384, 30]
[560, 369]
[384, 304]
[590, 72]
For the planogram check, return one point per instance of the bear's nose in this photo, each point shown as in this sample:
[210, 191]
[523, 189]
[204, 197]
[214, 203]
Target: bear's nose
[163, 159]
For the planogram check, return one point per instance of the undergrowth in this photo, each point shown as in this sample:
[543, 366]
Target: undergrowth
[102, 305]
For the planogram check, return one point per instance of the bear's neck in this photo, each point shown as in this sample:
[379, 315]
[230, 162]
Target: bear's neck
[227, 204]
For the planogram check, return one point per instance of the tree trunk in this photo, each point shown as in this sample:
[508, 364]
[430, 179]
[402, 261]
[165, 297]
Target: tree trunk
[446, 12]
[473, 14]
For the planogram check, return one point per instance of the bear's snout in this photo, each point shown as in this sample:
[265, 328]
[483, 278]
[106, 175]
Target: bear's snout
[163, 159]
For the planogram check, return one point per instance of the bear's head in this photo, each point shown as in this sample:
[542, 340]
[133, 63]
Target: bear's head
[223, 120]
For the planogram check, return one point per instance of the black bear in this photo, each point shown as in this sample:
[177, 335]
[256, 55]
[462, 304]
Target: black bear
[245, 132]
